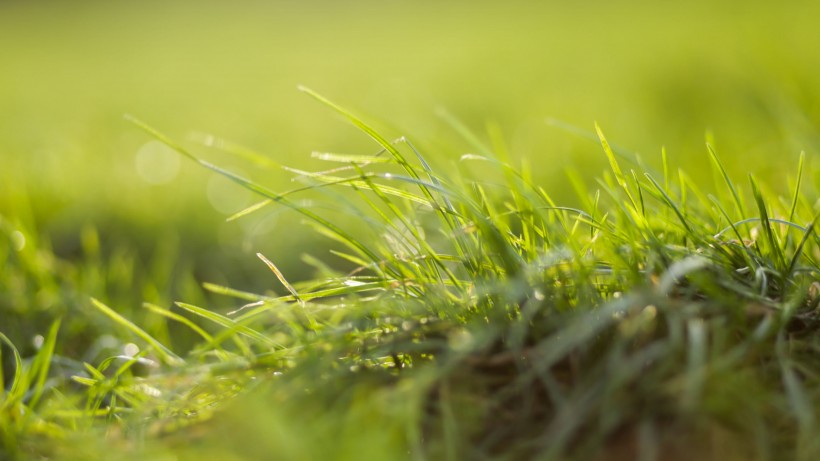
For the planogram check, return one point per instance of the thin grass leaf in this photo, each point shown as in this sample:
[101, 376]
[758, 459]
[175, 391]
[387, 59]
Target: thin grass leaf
[279, 276]
[716, 160]
[430, 174]
[361, 183]
[466, 133]
[397, 156]
[244, 212]
[799, 250]
[640, 193]
[232, 148]
[356, 288]
[165, 354]
[42, 362]
[263, 191]
[670, 203]
[245, 295]
[610, 155]
[665, 162]
[231, 325]
[767, 226]
[753, 220]
[349, 158]
[621, 152]
[732, 226]
[796, 195]
[178, 318]
[16, 391]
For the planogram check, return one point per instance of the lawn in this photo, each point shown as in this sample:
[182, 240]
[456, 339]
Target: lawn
[403, 230]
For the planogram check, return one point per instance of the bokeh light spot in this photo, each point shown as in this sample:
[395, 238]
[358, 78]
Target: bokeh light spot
[157, 163]
[131, 349]
[18, 240]
[226, 196]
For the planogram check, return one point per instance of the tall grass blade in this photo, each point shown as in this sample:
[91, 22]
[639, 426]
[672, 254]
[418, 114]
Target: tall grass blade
[774, 248]
[263, 191]
[178, 318]
[230, 324]
[42, 362]
[165, 354]
[17, 390]
[796, 195]
[799, 250]
[670, 203]
[716, 160]
[280, 276]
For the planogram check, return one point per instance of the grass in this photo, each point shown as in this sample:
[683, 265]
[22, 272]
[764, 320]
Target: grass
[477, 318]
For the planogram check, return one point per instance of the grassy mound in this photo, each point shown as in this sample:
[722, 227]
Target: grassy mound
[479, 319]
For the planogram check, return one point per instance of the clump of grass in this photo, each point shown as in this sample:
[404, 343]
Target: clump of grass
[481, 319]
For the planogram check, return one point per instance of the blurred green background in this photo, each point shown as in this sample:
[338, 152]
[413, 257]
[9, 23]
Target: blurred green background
[77, 178]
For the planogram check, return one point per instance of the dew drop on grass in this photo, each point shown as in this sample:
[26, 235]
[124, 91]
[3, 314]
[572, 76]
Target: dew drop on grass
[38, 341]
[157, 163]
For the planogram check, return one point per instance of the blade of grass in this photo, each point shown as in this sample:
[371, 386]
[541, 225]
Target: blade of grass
[716, 160]
[230, 324]
[349, 158]
[799, 250]
[389, 147]
[671, 204]
[615, 167]
[281, 277]
[796, 195]
[166, 354]
[774, 248]
[176, 317]
[229, 147]
[16, 391]
[42, 362]
[254, 187]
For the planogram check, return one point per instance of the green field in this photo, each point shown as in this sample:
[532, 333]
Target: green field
[468, 268]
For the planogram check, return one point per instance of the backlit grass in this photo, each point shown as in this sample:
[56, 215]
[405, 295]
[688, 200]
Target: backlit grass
[473, 317]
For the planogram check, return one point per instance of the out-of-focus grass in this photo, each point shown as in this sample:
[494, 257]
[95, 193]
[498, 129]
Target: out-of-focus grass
[653, 74]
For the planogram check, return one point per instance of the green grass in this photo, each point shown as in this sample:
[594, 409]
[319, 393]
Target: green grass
[478, 289]
[462, 314]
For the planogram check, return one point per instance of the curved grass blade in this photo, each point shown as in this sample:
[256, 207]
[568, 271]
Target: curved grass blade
[359, 182]
[349, 158]
[796, 195]
[226, 291]
[670, 203]
[738, 203]
[42, 362]
[230, 324]
[280, 276]
[364, 127]
[165, 354]
[229, 147]
[254, 187]
[751, 220]
[174, 316]
[780, 260]
[463, 131]
[16, 391]
[799, 250]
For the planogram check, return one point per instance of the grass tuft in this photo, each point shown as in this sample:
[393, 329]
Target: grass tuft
[474, 318]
